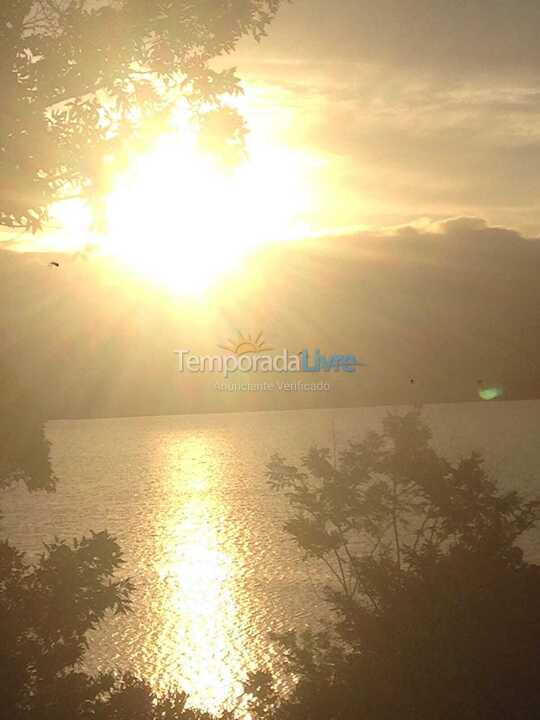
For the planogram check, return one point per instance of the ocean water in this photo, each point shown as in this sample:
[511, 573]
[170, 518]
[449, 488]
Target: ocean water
[202, 534]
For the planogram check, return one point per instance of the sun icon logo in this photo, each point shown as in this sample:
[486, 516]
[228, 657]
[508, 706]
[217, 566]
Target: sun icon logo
[246, 345]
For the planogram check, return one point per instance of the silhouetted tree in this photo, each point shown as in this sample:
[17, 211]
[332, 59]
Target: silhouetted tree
[436, 611]
[87, 83]
[24, 449]
[48, 608]
[46, 613]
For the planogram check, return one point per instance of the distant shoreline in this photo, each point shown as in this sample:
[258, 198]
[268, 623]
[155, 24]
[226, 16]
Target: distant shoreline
[404, 405]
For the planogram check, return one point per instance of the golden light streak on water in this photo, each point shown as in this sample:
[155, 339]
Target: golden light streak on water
[200, 645]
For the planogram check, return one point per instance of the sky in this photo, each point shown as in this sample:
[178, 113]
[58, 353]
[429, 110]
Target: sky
[413, 108]
[363, 117]
[407, 134]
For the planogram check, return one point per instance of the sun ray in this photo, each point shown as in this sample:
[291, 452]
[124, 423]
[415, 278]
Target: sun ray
[177, 218]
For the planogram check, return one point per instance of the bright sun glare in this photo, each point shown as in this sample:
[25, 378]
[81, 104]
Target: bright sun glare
[180, 220]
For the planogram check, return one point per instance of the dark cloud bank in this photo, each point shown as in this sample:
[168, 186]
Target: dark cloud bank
[446, 304]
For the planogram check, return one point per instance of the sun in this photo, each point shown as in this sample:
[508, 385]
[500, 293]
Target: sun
[246, 345]
[180, 220]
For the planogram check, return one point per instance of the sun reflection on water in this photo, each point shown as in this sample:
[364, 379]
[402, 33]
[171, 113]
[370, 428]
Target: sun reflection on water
[200, 646]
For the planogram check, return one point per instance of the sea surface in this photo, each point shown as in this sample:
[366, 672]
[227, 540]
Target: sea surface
[202, 533]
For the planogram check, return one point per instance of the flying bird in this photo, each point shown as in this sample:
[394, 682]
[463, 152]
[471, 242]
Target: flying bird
[54, 264]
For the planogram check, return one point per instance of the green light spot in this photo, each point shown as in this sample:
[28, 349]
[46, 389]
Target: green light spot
[491, 393]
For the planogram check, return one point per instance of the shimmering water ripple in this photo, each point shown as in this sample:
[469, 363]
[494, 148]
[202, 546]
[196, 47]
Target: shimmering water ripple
[201, 533]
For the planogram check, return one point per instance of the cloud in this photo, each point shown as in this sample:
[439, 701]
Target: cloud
[458, 225]
[475, 38]
[446, 300]
[421, 105]
[403, 145]
[466, 232]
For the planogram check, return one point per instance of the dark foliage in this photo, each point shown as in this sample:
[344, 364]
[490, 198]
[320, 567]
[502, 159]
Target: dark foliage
[24, 449]
[48, 608]
[86, 84]
[46, 613]
[437, 613]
